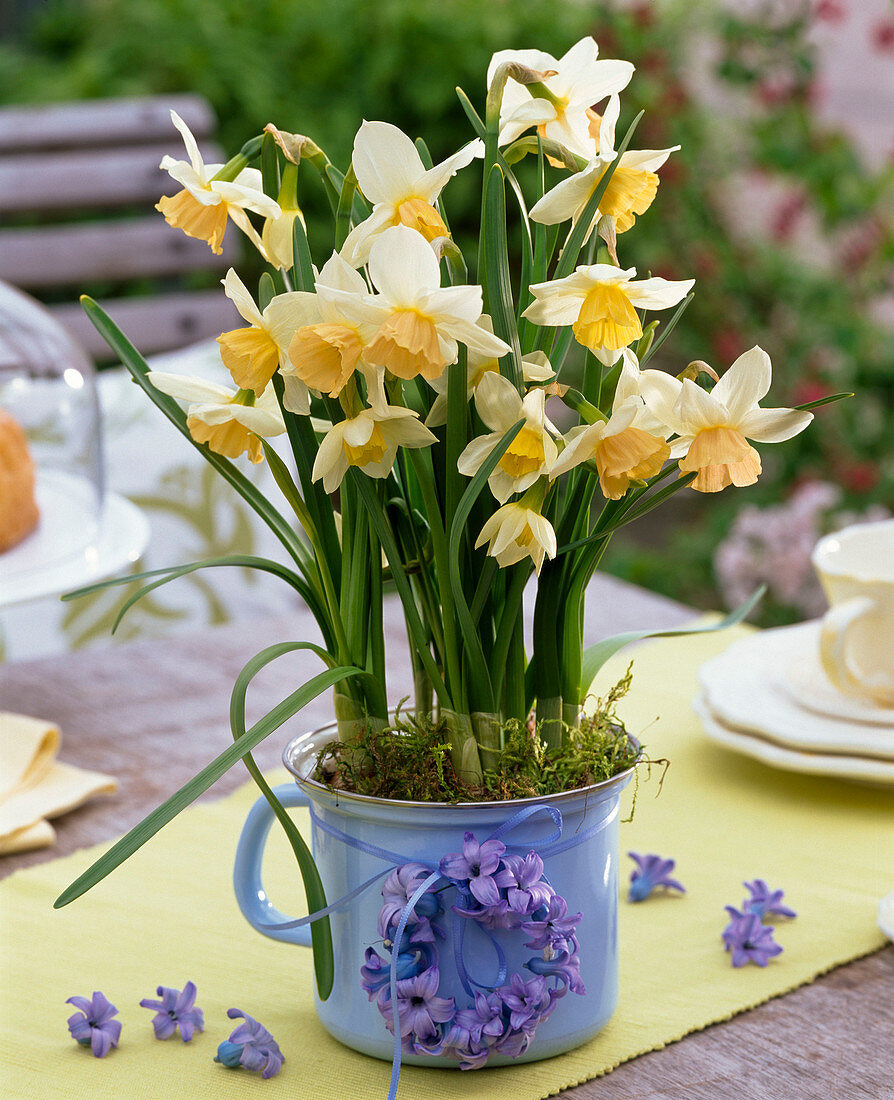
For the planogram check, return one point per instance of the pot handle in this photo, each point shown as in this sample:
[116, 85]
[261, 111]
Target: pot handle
[256, 906]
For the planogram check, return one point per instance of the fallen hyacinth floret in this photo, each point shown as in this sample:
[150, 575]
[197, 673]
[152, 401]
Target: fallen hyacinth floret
[653, 871]
[93, 1025]
[748, 939]
[175, 1009]
[251, 1045]
[764, 901]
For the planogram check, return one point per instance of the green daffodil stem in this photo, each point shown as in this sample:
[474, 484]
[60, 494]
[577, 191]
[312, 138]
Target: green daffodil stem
[549, 715]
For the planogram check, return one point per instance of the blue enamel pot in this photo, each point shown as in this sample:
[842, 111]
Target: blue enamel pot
[357, 838]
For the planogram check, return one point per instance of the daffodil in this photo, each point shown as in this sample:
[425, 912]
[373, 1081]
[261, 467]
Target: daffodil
[368, 441]
[630, 191]
[560, 106]
[201, 209]
[535, 368]
[600, 302]
[327, 342]
[418, 322]
[229, 421]
[518, 531]
[403, 191]
[629, 446]
[533, 451]
[252, 354]
[713, 428]
[277, 236]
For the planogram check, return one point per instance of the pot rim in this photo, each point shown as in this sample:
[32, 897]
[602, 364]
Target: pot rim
[620, 779]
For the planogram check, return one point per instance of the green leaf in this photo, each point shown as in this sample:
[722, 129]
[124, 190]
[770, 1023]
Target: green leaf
[136, 365]
[479, 676]
[320, 930]
[668, 328]
[822, 401]
[240, 561]
[168, 810]
[595, 656]
[499, 286]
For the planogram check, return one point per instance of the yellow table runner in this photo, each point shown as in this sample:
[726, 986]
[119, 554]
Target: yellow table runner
[169, 916]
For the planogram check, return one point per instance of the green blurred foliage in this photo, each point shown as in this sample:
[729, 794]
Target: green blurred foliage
[319, 66]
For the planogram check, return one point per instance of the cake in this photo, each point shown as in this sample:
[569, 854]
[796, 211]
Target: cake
[18, 508]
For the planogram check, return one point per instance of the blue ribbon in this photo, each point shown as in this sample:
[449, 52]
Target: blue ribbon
[553, 845]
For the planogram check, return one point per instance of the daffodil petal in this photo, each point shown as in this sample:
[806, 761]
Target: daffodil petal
[431, 183]
[386, 162]
[186, 388]
[498, 402]
[237, 292]
[358, 242]
[248, 198]
[402, 265]
[659, 293]
[699, 410]
[745, 383]
[192, 148]
[773, 425]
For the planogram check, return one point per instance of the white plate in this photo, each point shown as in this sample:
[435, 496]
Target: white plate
[860, 768]
[803, 679]
[886, 915]
[69, 548]
[741, 687]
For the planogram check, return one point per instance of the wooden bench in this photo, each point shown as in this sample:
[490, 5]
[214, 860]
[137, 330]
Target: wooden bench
[78, 183]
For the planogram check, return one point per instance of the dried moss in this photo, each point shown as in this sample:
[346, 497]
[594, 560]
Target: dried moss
[410, 759]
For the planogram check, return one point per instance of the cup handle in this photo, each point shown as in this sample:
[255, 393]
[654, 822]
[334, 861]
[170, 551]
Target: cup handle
[833, 634]
[256, 907]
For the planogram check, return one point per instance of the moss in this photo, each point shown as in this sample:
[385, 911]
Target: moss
[410, 759]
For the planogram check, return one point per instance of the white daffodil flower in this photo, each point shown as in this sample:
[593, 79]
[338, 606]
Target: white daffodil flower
[600, 301]
[713, 428]
[629, 446]
[403, 191]
[529, 456]
[229, 421]
[327, 343]
[517, 531]
[535, 368]
[418, 323]
[580, 80]
[252, 354]
[201, 209]
[630, 190]
[368, 441]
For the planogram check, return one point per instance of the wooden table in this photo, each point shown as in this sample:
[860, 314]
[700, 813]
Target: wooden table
[152, 713]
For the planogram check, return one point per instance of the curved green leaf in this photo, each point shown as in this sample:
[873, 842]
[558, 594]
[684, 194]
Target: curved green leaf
[596, 655]
[189, 792]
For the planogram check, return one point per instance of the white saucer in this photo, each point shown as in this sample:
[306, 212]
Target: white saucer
[740, 686]
[861, 768]
[886, 915]
[69, 548]
[803, 679]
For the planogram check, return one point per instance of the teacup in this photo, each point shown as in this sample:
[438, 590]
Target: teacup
[856, 569]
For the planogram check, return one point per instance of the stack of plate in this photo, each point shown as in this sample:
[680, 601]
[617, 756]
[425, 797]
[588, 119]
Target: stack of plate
[768, 697]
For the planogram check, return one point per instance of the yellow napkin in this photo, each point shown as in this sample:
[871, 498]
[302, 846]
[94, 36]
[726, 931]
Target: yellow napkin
[168, 916]
[34, 785]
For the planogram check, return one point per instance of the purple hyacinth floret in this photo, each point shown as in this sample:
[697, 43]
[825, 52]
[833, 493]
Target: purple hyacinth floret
[375, 974]
[522, 879]
[526, 1001]
[419, 1008]
[476, 865]
[399, 887]
[748, 939]
[564, 965]
[175, 1009]
[653, 871]
[251, 1045]
[764, 901]
[92, 1025]
[551, 927]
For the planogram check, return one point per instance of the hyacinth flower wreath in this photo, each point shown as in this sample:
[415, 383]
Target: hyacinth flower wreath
[401, 405]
